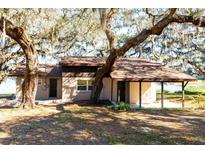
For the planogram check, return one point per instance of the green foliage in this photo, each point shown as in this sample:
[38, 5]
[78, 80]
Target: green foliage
[122, 106]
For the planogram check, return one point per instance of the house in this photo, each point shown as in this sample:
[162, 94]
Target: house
[131, 80]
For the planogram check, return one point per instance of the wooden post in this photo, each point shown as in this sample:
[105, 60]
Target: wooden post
[162, 94]
[111, 89]
[183, 86]
[140, 94]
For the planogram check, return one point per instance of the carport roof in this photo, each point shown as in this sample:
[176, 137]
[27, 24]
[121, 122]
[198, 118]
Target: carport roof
[134, 69]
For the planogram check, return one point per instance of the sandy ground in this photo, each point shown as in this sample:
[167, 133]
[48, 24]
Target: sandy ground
[74, 124]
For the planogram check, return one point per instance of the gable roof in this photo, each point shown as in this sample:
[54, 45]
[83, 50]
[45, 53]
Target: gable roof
[82, 61]
[43, 70]
[124, 69]
[132, 69]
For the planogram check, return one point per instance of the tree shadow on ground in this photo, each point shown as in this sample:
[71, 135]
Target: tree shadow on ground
[98, 125]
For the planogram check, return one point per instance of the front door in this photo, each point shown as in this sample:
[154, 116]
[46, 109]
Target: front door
[53, 88]
[121, 91]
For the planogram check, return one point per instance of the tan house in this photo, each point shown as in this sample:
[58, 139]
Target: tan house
[72, 80]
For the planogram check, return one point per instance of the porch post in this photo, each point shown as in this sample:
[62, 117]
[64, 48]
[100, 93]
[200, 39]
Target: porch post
[162, 94]
[140, 94]
[183, 86]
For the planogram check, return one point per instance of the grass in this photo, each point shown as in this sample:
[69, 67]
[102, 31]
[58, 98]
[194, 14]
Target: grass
[194, 95]
[75, 124]
[199, 88]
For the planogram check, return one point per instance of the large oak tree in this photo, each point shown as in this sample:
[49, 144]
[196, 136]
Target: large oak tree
[29, 85]
[106, 16]
[35, 33]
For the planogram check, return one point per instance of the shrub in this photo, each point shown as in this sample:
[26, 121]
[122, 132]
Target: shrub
[122, 106]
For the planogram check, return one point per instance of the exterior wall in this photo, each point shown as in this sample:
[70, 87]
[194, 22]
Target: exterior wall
[42, 90]
[114, 97]
[67, 90]
[106, 90]
[148, 92]
[70, 92]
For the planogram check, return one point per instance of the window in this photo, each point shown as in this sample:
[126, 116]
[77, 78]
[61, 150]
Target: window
[82, 84]
[85, 85]
[40, 82]
[90, 84]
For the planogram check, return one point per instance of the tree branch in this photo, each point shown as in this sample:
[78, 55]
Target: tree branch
[201, 70]
[7, 57]
[105, 19]
[158, 28]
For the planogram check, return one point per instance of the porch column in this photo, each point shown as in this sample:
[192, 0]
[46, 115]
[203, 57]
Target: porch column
[162, 94]
[183, 93]
[140, 94]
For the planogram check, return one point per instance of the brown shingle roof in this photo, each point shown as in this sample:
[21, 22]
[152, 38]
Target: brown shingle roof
[43, 70]
[135, 70]
[124, 69]
[132, 69]
[82, 61]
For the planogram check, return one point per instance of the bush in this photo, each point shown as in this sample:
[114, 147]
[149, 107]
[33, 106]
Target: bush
[122, 106]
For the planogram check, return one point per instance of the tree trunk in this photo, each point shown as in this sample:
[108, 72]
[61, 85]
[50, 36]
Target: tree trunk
[29, 85]
[134, 41]
[98, 84]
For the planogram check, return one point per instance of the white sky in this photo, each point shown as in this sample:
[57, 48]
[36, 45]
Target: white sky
[8, 86]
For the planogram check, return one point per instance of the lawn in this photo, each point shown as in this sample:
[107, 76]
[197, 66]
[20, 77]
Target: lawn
[74, 124]
[194, 95]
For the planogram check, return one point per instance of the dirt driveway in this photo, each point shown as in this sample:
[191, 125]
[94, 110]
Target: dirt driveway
[73, 124]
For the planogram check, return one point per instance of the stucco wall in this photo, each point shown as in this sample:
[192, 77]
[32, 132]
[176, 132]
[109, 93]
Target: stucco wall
[148, 92]
[70, 92]
[114, 95]
[67, 90]
[106, 90]
[42, 91]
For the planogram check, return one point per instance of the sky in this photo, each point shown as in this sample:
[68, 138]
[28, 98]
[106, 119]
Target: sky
[8, 86]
